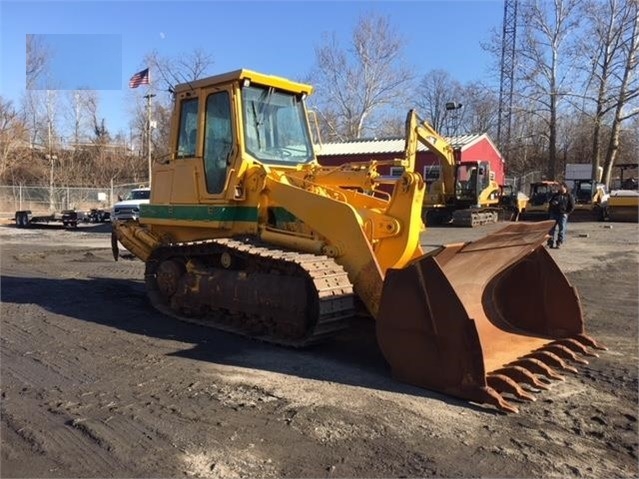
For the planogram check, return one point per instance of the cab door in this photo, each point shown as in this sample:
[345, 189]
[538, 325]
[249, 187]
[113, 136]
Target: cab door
[219, 147]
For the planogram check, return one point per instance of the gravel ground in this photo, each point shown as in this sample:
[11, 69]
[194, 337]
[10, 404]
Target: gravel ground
[96, 383]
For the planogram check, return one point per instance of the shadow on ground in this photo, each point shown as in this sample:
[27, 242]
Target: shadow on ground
[351, 358]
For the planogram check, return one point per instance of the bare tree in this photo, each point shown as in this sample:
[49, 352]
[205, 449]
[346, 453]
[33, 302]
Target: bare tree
[453, 108]
[546, 73]
[607, 42]
[356, 83]
[392, 126]
[437, 89]
[480, 109]
[100, 132]
[628, 89]
[13, 135]
[529, 145]
[78, 114]
[38, 56]
[185, 67]
[32, 105]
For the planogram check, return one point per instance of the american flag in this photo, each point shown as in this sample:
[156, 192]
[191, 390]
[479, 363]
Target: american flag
[140, 78]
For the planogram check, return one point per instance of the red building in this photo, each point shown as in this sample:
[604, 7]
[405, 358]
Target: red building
[467, 148]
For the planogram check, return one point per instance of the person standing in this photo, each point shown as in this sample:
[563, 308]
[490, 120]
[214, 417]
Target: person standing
[560, 205]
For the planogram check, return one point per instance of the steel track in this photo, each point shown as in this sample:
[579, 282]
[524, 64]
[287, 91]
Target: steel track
[328, 299]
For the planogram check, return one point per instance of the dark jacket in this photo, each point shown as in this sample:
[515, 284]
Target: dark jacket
[561, 203]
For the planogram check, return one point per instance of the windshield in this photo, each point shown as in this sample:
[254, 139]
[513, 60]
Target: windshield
[275, 128]
[138, 195]
[466, 187]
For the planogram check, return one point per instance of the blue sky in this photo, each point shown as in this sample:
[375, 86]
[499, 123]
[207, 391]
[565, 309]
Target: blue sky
[277, 38]
[100, 68]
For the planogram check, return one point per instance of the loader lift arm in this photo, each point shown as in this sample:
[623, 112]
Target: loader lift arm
[365, 249]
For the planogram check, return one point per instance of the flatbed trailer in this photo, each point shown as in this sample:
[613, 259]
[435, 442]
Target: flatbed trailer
[68, 218]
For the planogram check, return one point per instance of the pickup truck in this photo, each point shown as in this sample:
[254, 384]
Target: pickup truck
[129, 207]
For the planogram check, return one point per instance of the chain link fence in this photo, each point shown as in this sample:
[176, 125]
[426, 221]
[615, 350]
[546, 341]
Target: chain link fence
[45, 199]
[522, 183]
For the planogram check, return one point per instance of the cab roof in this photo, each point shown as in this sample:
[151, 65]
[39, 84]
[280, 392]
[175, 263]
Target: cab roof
[241, 75]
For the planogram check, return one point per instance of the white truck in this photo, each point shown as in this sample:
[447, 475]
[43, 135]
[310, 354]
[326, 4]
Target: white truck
[129, 207]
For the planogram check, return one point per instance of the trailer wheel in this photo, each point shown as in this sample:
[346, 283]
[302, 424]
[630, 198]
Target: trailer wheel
[21, 219]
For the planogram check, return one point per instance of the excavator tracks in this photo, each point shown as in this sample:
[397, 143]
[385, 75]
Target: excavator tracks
[471, 218]
[249, 288]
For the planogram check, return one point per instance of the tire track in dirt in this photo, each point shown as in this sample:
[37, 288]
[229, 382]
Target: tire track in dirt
[52, 435]
[173, 400]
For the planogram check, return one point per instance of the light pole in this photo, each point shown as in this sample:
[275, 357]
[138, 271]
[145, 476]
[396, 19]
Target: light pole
[454, 107]
[51, 159]
[148, 131]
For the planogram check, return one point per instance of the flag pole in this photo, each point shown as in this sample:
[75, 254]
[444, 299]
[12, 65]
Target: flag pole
[148, 131]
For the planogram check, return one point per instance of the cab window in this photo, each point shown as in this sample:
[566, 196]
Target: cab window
[187, 135]
[275, 130]
[218, 140]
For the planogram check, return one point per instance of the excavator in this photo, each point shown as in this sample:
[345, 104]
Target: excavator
[466, 193]
[246, 232]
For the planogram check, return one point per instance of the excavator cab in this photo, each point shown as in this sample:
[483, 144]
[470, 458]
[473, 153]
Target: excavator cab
[472, 178]
[247, 232]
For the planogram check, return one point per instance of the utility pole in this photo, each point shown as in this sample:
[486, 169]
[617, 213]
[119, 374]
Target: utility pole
[50, 156]
[148, 131]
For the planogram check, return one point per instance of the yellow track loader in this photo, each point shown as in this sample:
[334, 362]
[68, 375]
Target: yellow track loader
[246, 232]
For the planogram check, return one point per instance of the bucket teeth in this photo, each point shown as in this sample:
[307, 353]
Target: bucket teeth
[489, 396]
[575, 346]
[503, 383]
[563, 352]
[536, 366]
[551, 359]
[588, 341]
[521, 375]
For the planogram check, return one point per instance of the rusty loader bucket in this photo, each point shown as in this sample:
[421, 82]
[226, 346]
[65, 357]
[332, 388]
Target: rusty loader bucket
[481, 319]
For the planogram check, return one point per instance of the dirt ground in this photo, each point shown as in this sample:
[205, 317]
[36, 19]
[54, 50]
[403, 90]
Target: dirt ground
[96, 383]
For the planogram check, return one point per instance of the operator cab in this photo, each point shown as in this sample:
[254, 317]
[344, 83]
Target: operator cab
[584, 194]
[472, 178]
[223, 125]
[540, 193]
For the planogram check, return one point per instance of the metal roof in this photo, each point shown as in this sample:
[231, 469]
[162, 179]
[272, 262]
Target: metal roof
[387, 145]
